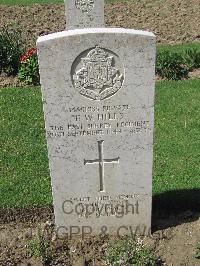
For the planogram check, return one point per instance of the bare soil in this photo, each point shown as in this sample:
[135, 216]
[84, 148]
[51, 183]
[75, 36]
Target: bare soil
[10, 81]
[171, 21]
[173, 240]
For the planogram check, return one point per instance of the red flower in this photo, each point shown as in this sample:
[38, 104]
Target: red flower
[31, 51]
[23, 58]
[28, 54]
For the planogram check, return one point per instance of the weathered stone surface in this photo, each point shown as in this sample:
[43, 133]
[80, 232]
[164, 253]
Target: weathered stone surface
[98, 95]
[84, 13]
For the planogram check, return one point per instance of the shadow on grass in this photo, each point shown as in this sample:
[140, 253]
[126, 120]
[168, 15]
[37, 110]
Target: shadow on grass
[172, 208]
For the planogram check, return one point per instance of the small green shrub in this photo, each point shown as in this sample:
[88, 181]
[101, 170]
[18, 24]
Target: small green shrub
[40, 247]
[11, 48]
[29, 68]
[171, 65]
[127, 252]
[191, 58]
[197, 256]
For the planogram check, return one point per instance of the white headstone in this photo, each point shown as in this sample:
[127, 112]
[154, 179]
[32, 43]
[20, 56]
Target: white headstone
[98, 95]
[84, 13]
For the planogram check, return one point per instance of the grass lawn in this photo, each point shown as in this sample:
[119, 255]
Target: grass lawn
[178, 47]
[177, 142]
[25, 178]
[177, 145]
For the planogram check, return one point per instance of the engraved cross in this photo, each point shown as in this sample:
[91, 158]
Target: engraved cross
[101, 162]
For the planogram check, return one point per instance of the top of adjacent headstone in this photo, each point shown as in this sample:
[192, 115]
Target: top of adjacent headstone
[84, 14]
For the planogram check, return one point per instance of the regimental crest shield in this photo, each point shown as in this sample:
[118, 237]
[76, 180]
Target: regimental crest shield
[98, 77]
[84, 5]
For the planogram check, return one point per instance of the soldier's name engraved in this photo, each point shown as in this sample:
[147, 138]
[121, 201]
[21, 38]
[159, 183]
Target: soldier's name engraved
[98, 117]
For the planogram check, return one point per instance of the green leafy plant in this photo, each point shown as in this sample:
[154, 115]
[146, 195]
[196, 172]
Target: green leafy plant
[29, 68]
[191, 58]
[40, 247]
[11, 48]
[171, 65]
[197, 255]
[127, 252]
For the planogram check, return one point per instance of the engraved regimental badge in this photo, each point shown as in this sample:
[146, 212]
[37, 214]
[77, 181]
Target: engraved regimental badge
[98, 75]
[84, 5]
